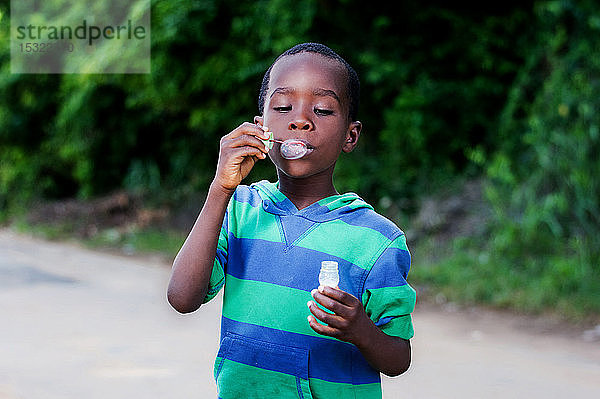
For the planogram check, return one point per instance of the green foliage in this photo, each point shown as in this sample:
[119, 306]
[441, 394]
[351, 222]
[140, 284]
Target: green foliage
[88, 134]
[547, 187]
[542, 250]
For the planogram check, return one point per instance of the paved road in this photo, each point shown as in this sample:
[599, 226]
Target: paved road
[80, 324]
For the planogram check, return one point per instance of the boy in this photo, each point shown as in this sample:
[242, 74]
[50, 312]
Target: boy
[265, 242]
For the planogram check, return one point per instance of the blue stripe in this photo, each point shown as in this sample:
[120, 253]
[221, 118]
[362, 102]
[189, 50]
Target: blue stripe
[285, 207]
[384, 320]
[266, 355]
[366, 217]
[294, 227]
[323, 353]
[295, 267]
[247, 195]
[390, 270]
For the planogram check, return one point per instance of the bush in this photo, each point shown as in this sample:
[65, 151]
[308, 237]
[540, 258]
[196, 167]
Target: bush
[432, 74]
[547, 191]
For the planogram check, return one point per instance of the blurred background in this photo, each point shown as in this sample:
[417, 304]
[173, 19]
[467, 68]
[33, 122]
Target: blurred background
[481, 136]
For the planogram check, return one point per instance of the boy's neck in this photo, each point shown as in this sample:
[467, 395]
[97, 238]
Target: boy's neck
[306, 191]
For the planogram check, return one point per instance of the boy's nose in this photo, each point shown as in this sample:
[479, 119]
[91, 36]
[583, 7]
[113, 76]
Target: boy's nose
[300, 124]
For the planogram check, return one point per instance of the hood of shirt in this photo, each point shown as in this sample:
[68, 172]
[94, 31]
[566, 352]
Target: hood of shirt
[330, 208]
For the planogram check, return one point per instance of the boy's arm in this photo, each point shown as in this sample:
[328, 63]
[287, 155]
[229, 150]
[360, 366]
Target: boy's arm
[349, 322]
[192, 267]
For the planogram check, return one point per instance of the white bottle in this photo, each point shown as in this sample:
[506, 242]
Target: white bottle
[329, 273]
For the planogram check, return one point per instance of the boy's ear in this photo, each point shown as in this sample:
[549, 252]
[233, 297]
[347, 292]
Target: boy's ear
[259, 120]
[352, 136]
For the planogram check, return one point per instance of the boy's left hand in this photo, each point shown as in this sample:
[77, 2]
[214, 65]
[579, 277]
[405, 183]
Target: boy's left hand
[349, 321]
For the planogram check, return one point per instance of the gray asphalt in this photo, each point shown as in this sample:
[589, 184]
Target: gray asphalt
[75, 323]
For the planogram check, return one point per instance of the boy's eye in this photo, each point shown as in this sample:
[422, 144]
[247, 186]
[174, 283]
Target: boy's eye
[283, 108]
[321, 111]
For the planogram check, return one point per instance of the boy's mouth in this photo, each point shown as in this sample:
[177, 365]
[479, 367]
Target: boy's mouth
[305, 142]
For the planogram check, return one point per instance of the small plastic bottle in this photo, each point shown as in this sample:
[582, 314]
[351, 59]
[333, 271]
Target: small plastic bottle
[329, 273]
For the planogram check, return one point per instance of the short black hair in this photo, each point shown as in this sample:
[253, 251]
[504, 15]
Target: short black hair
[353, 82]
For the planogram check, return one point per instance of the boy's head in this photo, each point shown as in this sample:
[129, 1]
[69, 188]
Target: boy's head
[353, 88]
[311, 94]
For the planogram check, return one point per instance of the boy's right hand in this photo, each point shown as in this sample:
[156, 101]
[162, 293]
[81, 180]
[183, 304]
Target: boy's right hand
[240, 149]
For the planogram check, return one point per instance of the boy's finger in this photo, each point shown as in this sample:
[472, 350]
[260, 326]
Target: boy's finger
[330, 303]
[238, 154]
[337, 294]
[332, 320]
[247, 128]
[247, 140]
[320, 328]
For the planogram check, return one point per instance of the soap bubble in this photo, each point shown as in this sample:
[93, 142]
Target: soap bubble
[294, 149]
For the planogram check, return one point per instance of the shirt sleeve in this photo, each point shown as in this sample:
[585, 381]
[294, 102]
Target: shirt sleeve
[217, 276]
[387, 297]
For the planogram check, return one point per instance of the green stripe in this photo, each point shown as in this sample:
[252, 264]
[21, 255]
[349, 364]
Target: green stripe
[244, 301]
[400, 327]
[400, 243]
[390, 301]
[222, 242]
[215, 283]
[397, 302]
[350, 200]
[238, 380]
[262, 228]
[217, 275]
[357, 244]
[338, 390]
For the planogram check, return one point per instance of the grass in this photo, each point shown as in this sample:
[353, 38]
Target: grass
[161, 242]
[466, 272]
[131, 240]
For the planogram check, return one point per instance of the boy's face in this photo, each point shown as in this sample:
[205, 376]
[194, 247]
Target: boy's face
[308, 99]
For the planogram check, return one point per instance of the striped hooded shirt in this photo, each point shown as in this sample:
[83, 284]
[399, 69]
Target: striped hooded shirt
[268, 260]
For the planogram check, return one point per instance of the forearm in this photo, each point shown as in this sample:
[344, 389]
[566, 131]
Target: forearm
[388, 354]
[193, 264]
[192, 268]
